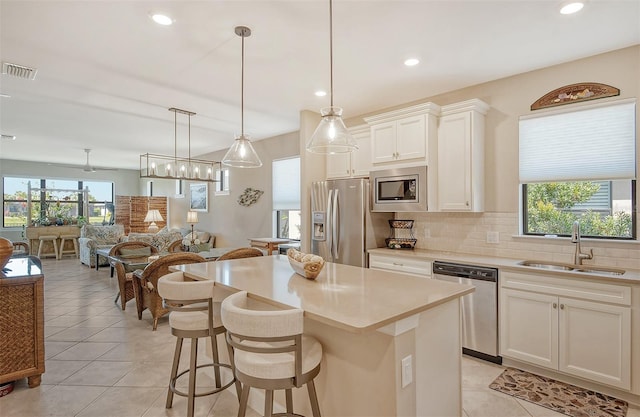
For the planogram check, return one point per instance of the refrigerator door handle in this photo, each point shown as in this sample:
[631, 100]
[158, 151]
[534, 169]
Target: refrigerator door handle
[335, 225]
[330, 236]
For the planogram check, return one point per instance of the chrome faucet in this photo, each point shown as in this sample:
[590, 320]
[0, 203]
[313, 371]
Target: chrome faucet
[575, 238]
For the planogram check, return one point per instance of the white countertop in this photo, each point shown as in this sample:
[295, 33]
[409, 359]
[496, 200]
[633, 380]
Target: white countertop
[630, 276]
[351, 298]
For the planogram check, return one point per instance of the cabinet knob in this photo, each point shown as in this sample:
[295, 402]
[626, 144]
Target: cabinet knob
[555, 305]
[561, 306]
[397, 264]
[466, 203]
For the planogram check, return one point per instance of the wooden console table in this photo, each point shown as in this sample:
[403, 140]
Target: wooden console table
[33, 233]
[22, 321]
[270, 244]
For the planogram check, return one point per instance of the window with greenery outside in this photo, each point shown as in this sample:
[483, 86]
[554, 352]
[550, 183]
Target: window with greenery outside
[551, 208]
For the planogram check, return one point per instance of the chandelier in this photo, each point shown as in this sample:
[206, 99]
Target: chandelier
[178, 167]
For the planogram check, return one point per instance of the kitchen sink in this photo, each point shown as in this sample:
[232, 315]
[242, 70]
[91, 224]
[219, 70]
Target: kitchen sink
[599, 270]
[557, 266]
[548, 265]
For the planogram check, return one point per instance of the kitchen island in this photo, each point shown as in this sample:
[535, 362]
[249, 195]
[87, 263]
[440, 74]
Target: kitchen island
[369, 323]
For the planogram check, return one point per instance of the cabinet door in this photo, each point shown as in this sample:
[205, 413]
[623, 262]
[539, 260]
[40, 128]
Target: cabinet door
[454, 162]
[595, 341]
[361, 159]
[339, 165]
[383, 141]
[411, 139]
[529, 327]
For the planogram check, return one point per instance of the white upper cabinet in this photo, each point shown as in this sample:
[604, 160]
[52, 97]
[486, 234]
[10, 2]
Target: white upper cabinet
[461, 156]
[401, 137]
[356, 163]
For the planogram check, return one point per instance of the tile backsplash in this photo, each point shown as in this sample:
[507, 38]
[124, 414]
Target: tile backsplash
[471, 233]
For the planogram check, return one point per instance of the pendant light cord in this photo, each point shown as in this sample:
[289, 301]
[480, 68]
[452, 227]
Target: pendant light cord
[331, 47]
[242, 90]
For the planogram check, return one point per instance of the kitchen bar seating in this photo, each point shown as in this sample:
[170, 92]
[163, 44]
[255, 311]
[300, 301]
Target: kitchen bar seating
[195, 313]
[268, 351]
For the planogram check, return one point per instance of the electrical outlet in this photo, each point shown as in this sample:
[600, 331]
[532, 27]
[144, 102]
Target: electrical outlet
[407, 371]
[493, 237]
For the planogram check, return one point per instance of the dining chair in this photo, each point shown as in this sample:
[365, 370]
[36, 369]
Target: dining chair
[123, 272]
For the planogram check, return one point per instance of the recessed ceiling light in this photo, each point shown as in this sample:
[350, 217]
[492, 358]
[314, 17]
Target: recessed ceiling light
[161, 19]
[411, 62]
[5, 95]
[320, 93]
[573, 7]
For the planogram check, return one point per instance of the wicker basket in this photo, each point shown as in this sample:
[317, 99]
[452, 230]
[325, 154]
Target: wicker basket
[309, 270]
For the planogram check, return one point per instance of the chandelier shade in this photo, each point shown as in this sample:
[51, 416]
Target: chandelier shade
[178, 167]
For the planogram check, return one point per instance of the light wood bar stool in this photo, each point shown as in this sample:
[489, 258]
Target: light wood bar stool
[72, 238]
[54, 242]
[268, 351]
[194, 313]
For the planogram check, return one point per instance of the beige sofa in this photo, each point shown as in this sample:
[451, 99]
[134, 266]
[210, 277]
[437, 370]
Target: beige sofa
[160, 240]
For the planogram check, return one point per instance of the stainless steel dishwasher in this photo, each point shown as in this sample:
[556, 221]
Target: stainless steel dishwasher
[479, 309]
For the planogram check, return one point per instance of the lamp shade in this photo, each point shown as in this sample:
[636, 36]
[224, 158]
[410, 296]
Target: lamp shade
[331, 136]
[192, 217]
[153, 216]
[241, 154]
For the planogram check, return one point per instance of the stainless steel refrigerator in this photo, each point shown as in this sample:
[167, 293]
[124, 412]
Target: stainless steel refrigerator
[343, 227]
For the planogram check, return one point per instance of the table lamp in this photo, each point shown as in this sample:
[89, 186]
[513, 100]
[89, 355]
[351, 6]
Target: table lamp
[153, 216]
[192, 217]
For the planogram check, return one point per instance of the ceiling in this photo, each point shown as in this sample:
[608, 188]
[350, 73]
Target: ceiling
[107, 73]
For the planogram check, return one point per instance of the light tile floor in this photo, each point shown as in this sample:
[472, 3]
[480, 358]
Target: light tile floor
[102, 361]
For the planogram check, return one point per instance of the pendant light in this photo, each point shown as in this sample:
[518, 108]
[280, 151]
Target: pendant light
[241, 154]
[331, 135]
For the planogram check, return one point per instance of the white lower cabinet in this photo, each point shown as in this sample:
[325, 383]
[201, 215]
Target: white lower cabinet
[420, 267]
[582, 336]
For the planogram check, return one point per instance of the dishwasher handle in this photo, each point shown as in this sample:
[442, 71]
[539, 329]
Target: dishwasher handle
[465, 271]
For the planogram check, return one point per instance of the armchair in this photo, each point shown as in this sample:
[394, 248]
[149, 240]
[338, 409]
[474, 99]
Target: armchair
[98, 237]
[145, 284]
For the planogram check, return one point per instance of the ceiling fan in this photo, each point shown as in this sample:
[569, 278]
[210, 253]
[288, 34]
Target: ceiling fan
[87, 167]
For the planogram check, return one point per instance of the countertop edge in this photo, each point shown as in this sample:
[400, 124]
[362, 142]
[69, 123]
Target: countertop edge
[631, 276]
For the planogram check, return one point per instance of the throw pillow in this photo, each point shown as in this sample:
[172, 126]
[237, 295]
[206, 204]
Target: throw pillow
[204, 236]
[135, 253]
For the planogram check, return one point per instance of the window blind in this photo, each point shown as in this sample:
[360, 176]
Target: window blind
[286, 184]
[595, 142]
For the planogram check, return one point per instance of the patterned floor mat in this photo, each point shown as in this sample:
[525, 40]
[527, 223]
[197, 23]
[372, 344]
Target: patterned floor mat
[558, 396]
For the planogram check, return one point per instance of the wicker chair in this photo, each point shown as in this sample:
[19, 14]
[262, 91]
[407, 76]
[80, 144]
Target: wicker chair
[125, 277]
[175, 247]
[145, 287]
[241, 253]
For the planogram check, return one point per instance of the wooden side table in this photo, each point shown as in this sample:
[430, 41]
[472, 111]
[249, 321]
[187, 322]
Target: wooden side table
[22, 321]
[270, 244]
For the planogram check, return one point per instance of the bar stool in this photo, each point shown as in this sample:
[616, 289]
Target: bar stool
[194, 314]
[72, 238]
[268, 351]
[43, 240]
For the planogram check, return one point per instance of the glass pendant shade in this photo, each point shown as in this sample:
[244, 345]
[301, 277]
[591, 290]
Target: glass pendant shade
[331, 135]
[241, 154]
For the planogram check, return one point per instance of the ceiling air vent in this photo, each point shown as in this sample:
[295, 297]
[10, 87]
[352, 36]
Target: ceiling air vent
[19, 71]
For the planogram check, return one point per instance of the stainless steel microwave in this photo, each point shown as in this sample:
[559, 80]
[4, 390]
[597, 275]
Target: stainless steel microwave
[401, 189]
